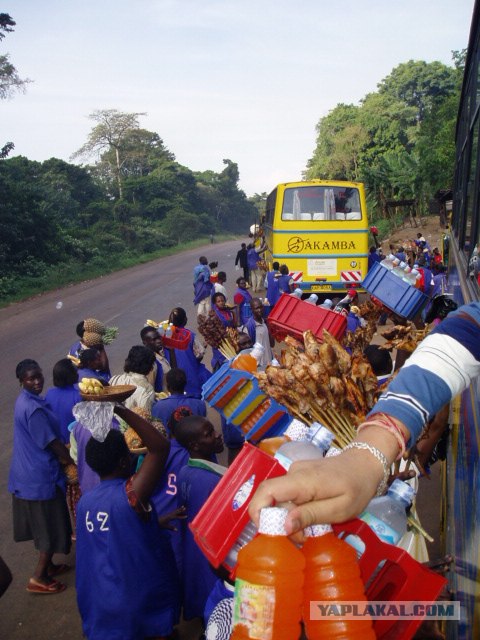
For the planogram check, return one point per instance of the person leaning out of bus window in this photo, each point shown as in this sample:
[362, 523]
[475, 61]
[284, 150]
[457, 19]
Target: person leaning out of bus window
[286, 283]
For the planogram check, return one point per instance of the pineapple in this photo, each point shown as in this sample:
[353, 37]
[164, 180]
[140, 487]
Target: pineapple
[91, 325]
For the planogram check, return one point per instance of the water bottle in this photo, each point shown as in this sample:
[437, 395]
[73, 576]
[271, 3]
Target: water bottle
[312, 299]
[387, 515]
[388, 261]
[269, 583]
[295, 431]
[313, 447]
[332, 574]
[297, 293]
[247, 534]
[398, 269]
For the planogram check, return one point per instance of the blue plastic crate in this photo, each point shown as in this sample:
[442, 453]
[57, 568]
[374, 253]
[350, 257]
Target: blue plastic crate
[247, 311]
[235, 394]
[396, 294]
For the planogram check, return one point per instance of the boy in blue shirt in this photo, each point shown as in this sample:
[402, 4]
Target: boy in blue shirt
[195, 482]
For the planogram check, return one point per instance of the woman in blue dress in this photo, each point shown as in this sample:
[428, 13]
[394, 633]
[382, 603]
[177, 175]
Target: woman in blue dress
[37, 482]
[189, 359]
[126, 579]
[64, 395]
[242, 297]
[227, 318]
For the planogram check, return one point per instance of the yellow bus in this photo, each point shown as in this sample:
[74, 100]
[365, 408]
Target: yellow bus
[319, 229]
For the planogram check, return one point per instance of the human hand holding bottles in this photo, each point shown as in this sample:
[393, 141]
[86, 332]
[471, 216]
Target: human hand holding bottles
[331, 489]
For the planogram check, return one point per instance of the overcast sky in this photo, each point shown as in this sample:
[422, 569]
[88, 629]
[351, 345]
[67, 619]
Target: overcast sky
[241, 79]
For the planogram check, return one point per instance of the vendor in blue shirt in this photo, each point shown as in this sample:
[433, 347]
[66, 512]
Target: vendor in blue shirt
[37, 482]
[126, 578]
[176, 383]
[89, 367]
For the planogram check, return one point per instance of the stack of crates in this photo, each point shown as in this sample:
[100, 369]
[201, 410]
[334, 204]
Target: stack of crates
[235, 394]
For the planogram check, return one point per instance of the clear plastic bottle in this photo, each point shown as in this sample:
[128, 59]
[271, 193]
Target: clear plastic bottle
[269, 583]
[248, 361]
[296, 430]
[332, 574]
[297, 293]
[387, 515]
[313, 447]
[398, 269]
[312, 299]
[388, 261]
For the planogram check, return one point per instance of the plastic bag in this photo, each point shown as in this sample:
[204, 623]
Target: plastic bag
[96, 417]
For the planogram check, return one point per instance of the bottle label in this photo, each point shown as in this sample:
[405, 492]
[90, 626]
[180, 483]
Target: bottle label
[384, 531]
[283, 460]
[243, 493]
[254, 606]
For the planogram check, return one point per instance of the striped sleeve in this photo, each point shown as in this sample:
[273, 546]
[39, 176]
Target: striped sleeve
[443, 365]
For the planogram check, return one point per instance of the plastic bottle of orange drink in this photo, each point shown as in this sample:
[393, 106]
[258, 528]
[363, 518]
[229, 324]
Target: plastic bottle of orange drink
[296, 430]
[248, 361]
[332, 575]
[269, 582]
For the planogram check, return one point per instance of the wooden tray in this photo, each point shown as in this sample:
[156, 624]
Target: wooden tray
[139, 451]
[116, 393]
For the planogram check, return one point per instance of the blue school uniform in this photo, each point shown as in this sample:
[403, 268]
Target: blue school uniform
[273, 290]
[241, 297]
[202, 287]
[62, 400]
[163, 409]
[284, 283]
[126, 577]
[227, 320]
[165, 496]
[86, 372]
[196, 372]
[158, 382]
[35, 471]
[195, 483]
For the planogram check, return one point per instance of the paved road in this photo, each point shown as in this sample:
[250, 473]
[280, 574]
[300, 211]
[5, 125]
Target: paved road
[38, 329]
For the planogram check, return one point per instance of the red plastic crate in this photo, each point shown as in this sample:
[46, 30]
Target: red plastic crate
[400, 578]
[224, 515]
[291, 317]
[179, 339]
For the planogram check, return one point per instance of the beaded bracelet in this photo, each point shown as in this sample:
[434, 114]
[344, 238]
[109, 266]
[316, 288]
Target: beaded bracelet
[380, 457]
[385, 422]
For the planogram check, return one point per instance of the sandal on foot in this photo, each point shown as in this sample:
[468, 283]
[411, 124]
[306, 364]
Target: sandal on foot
[52, 587]
[58, 569]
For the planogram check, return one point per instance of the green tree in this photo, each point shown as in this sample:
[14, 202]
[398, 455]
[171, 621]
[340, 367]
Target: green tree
[10, 80]
[111, 133]
[419, 84]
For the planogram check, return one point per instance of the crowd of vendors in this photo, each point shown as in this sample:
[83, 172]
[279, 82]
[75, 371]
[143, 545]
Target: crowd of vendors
[77, 478]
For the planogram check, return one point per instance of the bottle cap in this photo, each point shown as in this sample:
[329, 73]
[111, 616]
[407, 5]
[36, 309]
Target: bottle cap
[313, 298]
[297, 293]
[297, 430]
[401, 490]
[317, 530]
[272, 521]
[403, 265]
[320, 436]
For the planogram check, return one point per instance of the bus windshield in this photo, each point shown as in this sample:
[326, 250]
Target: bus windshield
[321, 203]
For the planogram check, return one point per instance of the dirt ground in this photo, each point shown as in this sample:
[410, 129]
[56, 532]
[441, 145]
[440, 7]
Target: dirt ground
[430, 227]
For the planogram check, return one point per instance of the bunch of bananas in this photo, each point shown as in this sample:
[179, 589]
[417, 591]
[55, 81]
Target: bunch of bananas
[91, 385]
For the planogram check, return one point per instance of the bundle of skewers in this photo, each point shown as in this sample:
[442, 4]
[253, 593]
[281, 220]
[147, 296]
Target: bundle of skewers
[405, 337]
[216, 335]
[357, 341]
[321, 382]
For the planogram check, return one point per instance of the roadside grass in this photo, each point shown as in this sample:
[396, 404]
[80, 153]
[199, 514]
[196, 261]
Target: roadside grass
[66, 274]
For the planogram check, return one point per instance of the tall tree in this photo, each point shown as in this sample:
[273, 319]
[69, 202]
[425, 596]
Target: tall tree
[111, 133]
[10, 81]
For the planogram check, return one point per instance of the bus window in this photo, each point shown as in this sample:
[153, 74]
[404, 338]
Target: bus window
[320, 203]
